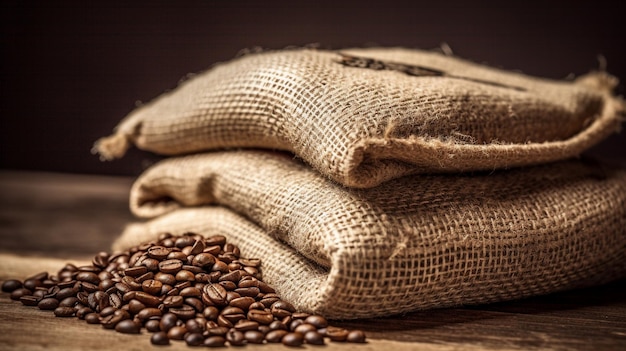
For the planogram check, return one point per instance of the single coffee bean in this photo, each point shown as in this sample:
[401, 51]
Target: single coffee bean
[70, 301]
[171, 266]
[132, 283]
[173, 301]
[177, 255]
[147, 299]
[254, 337]
[228, 285]
[31, 284]
[304, 328]
[293, 339]
[151, 264]
[233, 276]
[48, 303]
[29, 300]
[299, 315]
[356, 336]
[337, 334]
[214, 294]
[261, 316]
[107, 311]
[11, 285]
[317, 320]
[142, 278]
[128, 326]
[177, 333]
[89, 277]
[148, 313]
[152, 325]
[92, 318]
[214, 341]
[81, 312]
[158, 252]
[195, 303]
[165, 278]
[184, 312]
[151, 286]
[88, 287]
[135, 306]
[242, 302]
[211, 313]
[168, 321]
[19, 292]
[195, 325]
[203, 260]
[221, 331]
[65, 311]
[159, 338]
[277, 325]
[295, 323]
[194, 339]
[191, 291]
[245, 325]
[235, 338]
[184, 276]
[275, 336]
[314, 338]
[101, 260]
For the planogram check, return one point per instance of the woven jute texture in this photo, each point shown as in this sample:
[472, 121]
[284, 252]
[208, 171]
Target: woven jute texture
[415, 242]
[365, 116]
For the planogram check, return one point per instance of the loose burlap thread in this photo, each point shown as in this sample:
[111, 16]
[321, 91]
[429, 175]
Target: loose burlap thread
[365, 116]
[415, 242]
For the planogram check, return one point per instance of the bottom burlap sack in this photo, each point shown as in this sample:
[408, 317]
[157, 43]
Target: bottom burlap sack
[413, 243]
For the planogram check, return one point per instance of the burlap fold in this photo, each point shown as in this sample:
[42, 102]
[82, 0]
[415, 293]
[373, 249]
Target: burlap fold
[416, 242]
[365, 116]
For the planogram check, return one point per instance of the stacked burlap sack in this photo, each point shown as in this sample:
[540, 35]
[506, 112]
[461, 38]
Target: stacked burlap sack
[379, 181]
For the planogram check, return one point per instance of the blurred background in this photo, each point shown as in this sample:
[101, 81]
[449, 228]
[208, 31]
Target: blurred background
[72, 69]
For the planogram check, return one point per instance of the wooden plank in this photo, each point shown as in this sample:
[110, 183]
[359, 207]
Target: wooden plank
[48, 219]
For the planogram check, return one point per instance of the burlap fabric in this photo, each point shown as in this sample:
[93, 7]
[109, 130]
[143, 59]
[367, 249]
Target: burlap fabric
[364, 116]
[416, 242]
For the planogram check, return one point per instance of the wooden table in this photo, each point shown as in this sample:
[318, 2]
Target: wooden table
[49, 219]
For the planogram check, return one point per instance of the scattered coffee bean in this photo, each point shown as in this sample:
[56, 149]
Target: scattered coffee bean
[179, 288]
[11, 285]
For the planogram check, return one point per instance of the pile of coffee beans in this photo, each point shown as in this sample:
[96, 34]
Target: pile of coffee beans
[184, 287]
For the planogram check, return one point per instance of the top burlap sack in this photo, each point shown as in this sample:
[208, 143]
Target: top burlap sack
[416, 242]
[365, 116]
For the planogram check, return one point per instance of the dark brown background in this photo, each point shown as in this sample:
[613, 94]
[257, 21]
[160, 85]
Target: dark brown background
[72, 70]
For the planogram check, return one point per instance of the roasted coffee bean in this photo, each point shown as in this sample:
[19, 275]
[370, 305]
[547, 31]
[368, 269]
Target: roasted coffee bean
[147, 299]
[151, 264]
[135, 271]
[110, 321]
[101, 260]
[356, 336]
[235, 338]
[173, 301]
[304, 328]
[165, 278]
[337, 334]
[293, 339]
[314, 338]
[152, 325]
[233, 276]
[277, 325]
[261, 316]
[70, 301]
[88, 287]
[158, 252]
[29, 300]
[89, 277]
[218, 331]
[171, 266]
[203, 260]
[193, 269]
[299, 315]
[211, 313]
[258, 306]
[11, 285]
[177, 333]
[92, 318]
[31, 284]
[128, 326]
[195, 302]
[168, 320]
[107, 311]
[214, 341]
[106, 284]
[183, 312]
[148, 313]
[159, 338]
[194, 339]
[254, 337]
[115, 300]
[214, 294]
[152, 286]
[81, 312]
[132, 283]
[48, 303]
[191, 291]
[197, 247]
[245, 325]
[242, 302]
[194, 325]
[317, 321]
[135, 306]
[142, 278]
[185, 276]
[251, 291]
[65, 311]
[222, 321]
[295, 323]
[228, 285]
[275, 336]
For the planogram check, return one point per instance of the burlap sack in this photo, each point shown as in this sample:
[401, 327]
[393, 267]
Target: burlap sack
[364, 116]
[412, 243]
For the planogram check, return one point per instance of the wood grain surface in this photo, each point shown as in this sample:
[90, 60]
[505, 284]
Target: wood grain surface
[47, 220]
